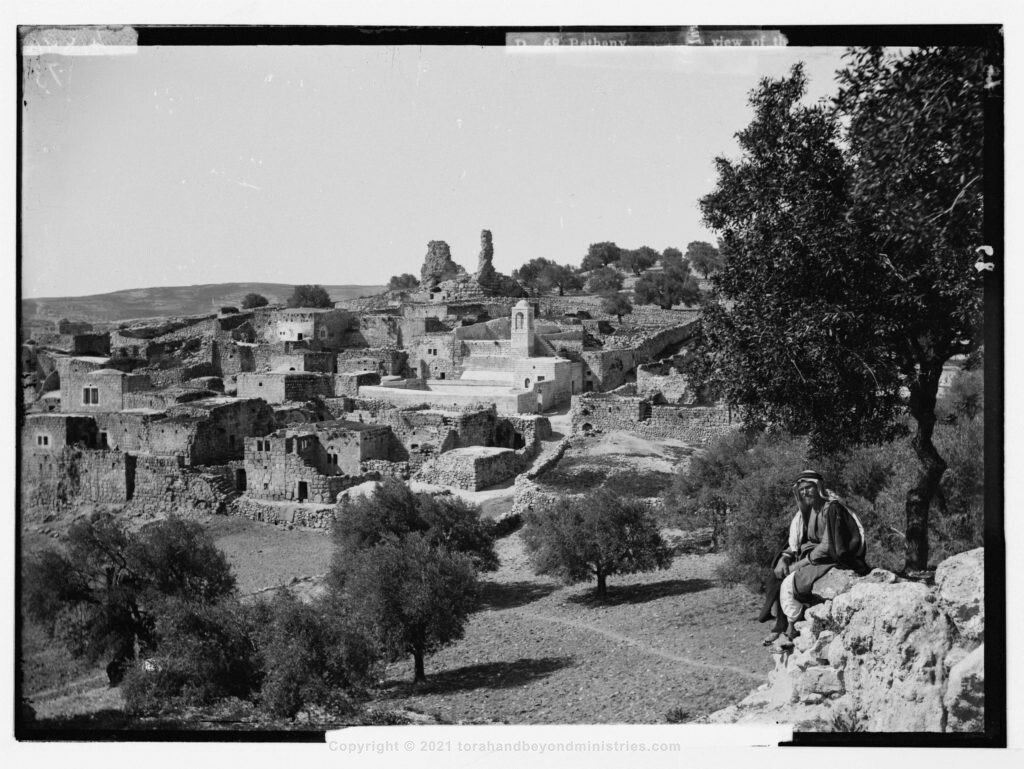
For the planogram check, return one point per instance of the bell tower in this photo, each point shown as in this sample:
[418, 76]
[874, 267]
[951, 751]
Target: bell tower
[522, 330]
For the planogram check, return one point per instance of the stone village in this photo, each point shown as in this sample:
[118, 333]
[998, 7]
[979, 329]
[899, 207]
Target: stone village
[272, 413]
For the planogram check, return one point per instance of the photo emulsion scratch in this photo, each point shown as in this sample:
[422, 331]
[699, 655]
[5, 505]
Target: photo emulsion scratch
[495, 377]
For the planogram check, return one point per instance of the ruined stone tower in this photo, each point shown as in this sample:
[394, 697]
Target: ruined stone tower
[522, 330]
[486, 275]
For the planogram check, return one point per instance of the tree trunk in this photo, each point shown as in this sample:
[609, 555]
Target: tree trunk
[919, 498]
[419, 676]
[602, 588]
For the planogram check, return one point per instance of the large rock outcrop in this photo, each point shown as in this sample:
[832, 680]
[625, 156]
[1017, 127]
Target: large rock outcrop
[882, 654]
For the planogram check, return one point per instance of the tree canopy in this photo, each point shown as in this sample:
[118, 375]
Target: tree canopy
[671, 257]
[403, 282]
[414, 595]
[103, 593]
[703, 257]
[616, 304]
[595, 536]
[251, 301]
[541, 275]
[851, 230]
[599, 255]
[638, 259]
[405, 565]
[667, 288]
[604, 280]
[310, 296]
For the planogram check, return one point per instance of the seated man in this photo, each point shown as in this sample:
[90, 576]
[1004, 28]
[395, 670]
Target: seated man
[824, 534]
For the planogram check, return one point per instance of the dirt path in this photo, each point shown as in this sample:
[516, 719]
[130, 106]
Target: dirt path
[646, 648]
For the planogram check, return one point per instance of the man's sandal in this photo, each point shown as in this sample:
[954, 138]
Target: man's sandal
[770, 638]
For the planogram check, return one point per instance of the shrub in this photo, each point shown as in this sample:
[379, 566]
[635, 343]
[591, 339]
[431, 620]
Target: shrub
[742, 486]
[206, 653]
[311, 654]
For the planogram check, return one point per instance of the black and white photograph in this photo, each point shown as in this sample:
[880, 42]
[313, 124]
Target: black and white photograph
[510, 376]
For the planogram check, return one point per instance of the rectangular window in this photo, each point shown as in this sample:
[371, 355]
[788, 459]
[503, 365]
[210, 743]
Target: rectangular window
[42, 440]
[540, 379]
[90, 395]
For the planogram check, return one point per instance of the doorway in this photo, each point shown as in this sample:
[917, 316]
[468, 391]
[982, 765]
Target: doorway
[303, 491]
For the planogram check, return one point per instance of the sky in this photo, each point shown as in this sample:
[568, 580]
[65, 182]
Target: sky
[334, 165]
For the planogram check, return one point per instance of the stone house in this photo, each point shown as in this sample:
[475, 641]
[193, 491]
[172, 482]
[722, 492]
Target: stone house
[202, 432]
[53, 432]
[311, 463]
[315, 328]
[89, 385]
[285, 386]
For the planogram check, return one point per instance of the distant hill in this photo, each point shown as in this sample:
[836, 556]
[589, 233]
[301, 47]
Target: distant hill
[168, 300]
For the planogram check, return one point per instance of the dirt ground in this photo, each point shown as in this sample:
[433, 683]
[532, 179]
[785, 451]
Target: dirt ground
[542, 653]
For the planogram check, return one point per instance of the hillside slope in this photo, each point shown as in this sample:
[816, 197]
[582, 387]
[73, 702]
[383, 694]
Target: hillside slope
[168, 300]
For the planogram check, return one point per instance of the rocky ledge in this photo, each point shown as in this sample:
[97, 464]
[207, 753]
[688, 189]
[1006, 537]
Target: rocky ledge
[882, 654]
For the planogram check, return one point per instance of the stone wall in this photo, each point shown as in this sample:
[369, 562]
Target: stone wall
[377, 331]
[507, 403]
[608, 412]
[387, 361]
[694, 425]
[310, 516]
[469, 468]
[232, 358]
[664, 378]
[348, 384]
[304, 361]
[59, 480]
[90, 344]
[880, 654]
[606, 369]
[164, 486]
